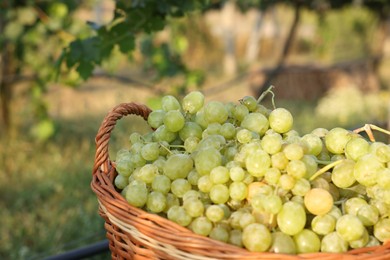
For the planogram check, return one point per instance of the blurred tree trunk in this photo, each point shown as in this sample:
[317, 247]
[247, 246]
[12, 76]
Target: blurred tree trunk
[286, 49]
[6, 74]
[253, 44]
[228, 36]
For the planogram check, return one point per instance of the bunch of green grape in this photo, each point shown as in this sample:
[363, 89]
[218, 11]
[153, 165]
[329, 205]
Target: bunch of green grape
[239, 173]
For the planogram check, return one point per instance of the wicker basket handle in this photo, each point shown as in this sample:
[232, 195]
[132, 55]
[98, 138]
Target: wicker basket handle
[108, 124]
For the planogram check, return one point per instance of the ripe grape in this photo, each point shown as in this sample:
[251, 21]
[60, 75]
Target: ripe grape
[349, 227]
[307, 241]
[215, 112]
[178, 166]
[292, 218]
[256, 237]
[169, 103]
[336, 139]
[202, 226]
[219, 233]
[155, 119]
[137, 195]
[323, 224]
[156, 202]
[282, 243]
[318, 201]
[193, 102]
[255, 122]
[281, 120]
[333, 243]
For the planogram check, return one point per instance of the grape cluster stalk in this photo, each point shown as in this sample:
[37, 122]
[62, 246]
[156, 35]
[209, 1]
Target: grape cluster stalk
[239, 173]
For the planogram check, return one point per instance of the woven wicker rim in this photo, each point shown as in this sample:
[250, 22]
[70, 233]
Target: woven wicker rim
[161, 237]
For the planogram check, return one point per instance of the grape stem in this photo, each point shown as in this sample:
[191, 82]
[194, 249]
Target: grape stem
[325, 169]
[262, 96]
[368, 129]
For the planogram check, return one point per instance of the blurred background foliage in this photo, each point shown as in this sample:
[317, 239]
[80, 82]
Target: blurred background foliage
[64, 64]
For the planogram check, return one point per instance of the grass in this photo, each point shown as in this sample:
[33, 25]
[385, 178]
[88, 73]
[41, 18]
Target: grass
[47, 206]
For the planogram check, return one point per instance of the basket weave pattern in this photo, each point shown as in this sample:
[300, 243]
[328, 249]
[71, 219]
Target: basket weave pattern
[136, 234]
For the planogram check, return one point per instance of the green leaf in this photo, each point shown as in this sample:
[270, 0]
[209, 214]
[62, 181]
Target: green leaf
[127, 43]
[85, 69]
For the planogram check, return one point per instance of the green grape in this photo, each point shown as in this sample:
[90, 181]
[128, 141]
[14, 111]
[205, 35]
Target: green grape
[216, 112]
[204, 183]
[156, 118]
[219, 175]
[235, 237]
[293, 151]
[135, 138]
[318, 201]
[150, 151]
[238, 191]
[248, 179]
[279, 161]
[256, 237]
[219, 233]
[161, 183]
[343, 174]
[286, 182]
[215, 213]
[307, 241]
[172, 200]
[257, 163]
[174, 121]
[191, 194]
[178, 166]
[213, 129]
[212, 141]
[207, 159]
[137, 195]
[246, 219]
[361, 242]
[336, 139]
[228, 130]
[236, 173]
[191, 144]
[159, 163]
[320, 132]
[282, 243]
[291, 218]
[193, 177]
[137, 160]
[255, 122]
[147, 173]
[219, 194]
[263, 110]
[320, 183]
[382, 230]
[121, 181]
[323, 224]
[272, 176]
[193, 102]
[244, 136]
[164, 148]
[301, 187]
[194, 207]
[335, 212]
[201, 226]
[250, 102]
[178, 215]
[240, 111]
[169, 103]
[296, 169]
[311, 165]
[272, 204]
[162, 134]
[271, 143]
[383, 178]
[366, 170]
[356, 148]
[313, 144]
[333, 243]
[383, 153]
[281, 120]
[229, 153]
[349, 227]
[124, 166]
[190, 129]
[200, 118]
[180, 186]
[352, 205]
[156, 202]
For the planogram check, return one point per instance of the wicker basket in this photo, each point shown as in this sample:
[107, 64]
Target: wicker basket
[136, 234]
